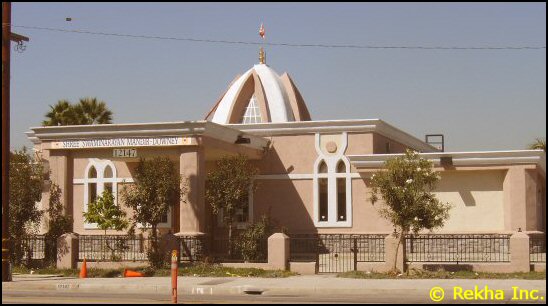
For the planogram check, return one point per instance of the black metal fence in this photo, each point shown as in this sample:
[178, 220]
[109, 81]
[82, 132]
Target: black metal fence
[537, 248]
[458, 248]
[113, 248]
[191, 249]
[304, 248]
[224, 250]
[337, 252]
[36, 250]
[307, 247]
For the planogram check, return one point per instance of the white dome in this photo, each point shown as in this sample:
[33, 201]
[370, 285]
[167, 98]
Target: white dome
[260, 95]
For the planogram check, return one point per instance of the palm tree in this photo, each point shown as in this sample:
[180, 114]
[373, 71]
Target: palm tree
[92, 111]
[539, 144]
[88, 111]
[61, 113]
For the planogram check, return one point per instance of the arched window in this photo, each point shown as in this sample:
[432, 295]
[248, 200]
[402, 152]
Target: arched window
[92, 184]
[333, 186]
[323, 167]
[100, 176]
[341, 167]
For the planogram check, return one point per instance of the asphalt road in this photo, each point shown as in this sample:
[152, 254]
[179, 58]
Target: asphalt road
[56, 297]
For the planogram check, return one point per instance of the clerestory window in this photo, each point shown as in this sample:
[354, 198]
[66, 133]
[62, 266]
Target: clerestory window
[252, 112]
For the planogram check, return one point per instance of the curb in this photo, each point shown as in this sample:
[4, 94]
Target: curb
[70, 285]
[196, 290]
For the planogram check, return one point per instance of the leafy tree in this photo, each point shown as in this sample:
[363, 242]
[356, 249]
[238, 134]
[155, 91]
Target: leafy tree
[539, 144]
[156, 190]
[58, 222]
[87, 111]
[26, 178]
[405, 185]
[107, 215]
[250, 240]
[228, 187]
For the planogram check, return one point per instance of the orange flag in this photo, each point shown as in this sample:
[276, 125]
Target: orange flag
[261, 31]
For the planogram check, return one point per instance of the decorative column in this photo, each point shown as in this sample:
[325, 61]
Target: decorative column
[67, 251]
[519, 252]
[192, 207]
[278, 251]
[520, 198]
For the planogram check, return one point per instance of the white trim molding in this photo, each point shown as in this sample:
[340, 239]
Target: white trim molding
[296, 176]
[106, 132]
[462, 159]
[332, 160]
[334, 127]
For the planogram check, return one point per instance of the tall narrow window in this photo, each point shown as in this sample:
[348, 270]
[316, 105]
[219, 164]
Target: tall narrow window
[333, 197]
[324, 205]
[92, 185]
[341, 199]
[92, 192]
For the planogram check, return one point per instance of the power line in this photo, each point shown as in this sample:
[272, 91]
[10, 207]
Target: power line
[279, 44]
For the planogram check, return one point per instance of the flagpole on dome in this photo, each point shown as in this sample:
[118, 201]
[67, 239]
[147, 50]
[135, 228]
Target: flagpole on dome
[262, 57]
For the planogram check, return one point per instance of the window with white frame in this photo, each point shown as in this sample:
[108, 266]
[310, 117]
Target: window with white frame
[332, 181]
[252, 112]
[100, 175]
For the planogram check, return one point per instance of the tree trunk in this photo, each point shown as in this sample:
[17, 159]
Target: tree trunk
[401, 242]
[230, 238]
[155, 252]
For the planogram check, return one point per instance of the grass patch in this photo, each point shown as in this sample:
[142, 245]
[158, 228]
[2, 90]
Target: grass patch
[198, 270]
[420, 274]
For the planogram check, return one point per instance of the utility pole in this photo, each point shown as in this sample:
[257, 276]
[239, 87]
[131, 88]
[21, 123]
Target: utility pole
[7, 38]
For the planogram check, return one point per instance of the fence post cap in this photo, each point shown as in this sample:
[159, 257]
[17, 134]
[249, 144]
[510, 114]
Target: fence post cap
[278, 236]
[71, 235]
[168, 235]
[190, 234]
[519, 235]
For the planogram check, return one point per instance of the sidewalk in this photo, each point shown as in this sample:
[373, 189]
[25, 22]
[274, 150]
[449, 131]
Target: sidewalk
[301, 285]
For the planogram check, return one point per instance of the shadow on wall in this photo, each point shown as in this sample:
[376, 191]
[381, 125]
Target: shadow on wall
[281, 200]
[471, 181]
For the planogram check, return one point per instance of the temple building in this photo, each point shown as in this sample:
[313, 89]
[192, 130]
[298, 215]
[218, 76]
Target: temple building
[313, 175]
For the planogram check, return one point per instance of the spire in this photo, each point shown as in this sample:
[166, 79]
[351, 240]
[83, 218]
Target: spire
[262, 57]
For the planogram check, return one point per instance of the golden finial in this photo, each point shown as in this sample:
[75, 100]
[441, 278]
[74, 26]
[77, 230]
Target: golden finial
[262, 58]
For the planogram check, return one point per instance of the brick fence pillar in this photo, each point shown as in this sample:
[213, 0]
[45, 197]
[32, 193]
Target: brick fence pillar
[67, 251]
[394, 253]
[278, 251]
[519, 252]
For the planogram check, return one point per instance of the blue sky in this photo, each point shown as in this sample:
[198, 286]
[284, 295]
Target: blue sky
[480, 99]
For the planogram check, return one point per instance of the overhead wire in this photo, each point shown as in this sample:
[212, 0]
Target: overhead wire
[317, 45]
